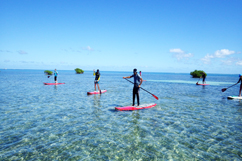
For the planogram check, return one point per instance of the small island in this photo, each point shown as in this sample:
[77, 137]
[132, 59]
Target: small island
[79, 71]
[48, 72]
[197, 73]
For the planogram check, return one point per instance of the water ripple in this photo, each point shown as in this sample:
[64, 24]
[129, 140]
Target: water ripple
[62, 123]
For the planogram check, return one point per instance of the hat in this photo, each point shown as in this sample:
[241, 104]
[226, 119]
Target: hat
[135, 70]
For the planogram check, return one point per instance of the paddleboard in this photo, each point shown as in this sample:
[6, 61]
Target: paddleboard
[234, 97]
[97, 92]
[53, 83]
[202, 84]
[131, 108]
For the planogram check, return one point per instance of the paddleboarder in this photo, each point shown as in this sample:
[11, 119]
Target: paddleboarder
[55, 74]
[204, 77]
[240, 80]
[97, 78]
[137, 83]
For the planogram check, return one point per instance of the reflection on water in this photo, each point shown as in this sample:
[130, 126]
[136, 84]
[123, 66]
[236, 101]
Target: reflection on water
[63, 123]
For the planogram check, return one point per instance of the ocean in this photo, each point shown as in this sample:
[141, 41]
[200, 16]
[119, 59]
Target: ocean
[189, 122]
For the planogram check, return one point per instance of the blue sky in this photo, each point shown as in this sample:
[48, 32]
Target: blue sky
[119, 35]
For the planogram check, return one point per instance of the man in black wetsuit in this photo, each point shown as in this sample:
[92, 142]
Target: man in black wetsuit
[137, 83]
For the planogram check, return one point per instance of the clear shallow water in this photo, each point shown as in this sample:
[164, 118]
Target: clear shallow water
[190, 122]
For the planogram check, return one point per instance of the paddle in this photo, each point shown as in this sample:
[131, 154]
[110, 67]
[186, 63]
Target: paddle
[145, 90]
[224, 89]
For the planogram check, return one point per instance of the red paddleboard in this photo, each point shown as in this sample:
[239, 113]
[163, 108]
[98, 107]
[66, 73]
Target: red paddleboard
[53, 83]
[97, 92]
[202, 84]
[131, 108]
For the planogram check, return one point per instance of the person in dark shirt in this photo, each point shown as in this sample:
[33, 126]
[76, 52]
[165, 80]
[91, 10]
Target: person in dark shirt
[204, 77]
[137, 83]
[97, 79]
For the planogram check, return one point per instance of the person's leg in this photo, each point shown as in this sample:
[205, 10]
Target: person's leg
[98, 88]
[138, 98]
[133, 96]
[95, 85]
[240, 90]
[138, 95]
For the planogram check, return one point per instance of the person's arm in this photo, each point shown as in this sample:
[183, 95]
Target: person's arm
[127, 77]
[141, 81]
[94, 72]
[99, 77]
[238, 81]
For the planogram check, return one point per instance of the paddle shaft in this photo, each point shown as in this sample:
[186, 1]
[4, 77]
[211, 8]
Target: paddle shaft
[141, 88]
[232, 86]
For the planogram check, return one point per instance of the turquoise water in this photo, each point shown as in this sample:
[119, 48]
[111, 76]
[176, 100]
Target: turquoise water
[62, 122]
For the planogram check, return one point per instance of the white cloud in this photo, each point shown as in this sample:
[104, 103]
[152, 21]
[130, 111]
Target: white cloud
[239, 62]
[180, 54]
[218, 54]
[222, 53]
[26, 62]
[229, 61]
[176, 51]
[88, 48]
[71, 50]
[207, 59]
[22, 52]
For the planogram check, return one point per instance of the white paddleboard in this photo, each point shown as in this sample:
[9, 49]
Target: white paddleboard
[234, 97]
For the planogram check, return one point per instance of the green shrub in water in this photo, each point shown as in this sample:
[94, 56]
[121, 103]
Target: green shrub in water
[48, 72]
[197, 73]
[79, 71]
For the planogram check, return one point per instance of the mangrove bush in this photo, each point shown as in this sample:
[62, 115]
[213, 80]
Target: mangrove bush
[48, 72]
[197, 73]
[79, 71]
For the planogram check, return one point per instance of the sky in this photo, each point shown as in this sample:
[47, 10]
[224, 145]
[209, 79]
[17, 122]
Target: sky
[119, 35]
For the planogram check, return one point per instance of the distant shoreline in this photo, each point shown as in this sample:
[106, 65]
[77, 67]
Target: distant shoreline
[121, 71]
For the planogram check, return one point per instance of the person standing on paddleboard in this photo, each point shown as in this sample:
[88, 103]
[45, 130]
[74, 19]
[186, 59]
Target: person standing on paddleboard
[97, 78]
[137, 83]
[204, 77]
[240, 80]
[55, 74]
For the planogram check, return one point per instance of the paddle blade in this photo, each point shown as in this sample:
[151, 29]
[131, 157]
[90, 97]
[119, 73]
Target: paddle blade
[155, 96]
[48, 76]
[224, 89]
